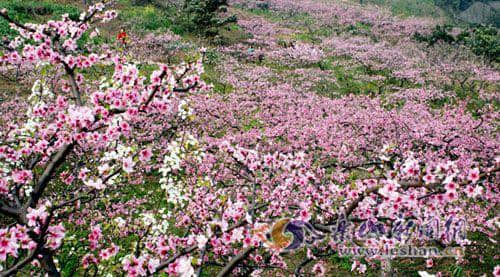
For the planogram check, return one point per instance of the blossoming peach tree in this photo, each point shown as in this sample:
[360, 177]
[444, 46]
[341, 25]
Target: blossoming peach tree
[80, 137]
[83, 144]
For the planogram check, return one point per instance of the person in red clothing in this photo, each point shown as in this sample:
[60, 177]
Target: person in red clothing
[122, 36]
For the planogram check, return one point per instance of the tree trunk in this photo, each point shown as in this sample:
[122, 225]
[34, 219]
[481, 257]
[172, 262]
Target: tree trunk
[48, 264]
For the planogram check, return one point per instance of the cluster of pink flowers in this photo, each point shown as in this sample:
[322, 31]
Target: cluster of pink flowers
[164, 45]
[299, 52]
[13, 239]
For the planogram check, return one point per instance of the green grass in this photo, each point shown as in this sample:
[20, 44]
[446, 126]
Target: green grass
[473, 267]
[359, 28]
[33, 11]
[278, 16]
[211, 76]
[420, 8]
[351, 80]
[309, 37]
[145, 18]
[469, 92]
[229, 35]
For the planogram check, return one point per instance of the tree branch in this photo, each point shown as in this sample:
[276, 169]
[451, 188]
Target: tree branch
[194, 247]
[4, 14]
[47, 174]
[13, 270]
[235, 261]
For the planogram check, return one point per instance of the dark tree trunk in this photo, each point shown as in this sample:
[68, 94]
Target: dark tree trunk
[48, 264]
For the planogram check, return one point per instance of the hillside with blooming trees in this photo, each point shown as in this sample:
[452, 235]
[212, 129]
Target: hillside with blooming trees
[245, 138]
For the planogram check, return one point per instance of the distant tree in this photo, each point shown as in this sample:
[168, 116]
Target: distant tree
[202, 15]
[457, 5]
[481, 39]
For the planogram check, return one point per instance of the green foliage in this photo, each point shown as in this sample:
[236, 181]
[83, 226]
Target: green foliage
[458, 5]
[277, 15]
[213, 77]
[142, 2]
[308, 37]
[146, 18]
[24, 11]
[212, 57]
[343, 262]
[251, 124]
[482, 40]
[359, 28]
[410, 7]
[356, 80]
[457, 271]
[183, 18]
[440, 33]
[201, 16]
[230, 34]
[415, 8]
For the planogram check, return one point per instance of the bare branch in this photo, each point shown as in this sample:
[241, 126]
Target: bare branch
[48, 174]
[235, 261]
[18, 24]
[8, 211]
[74, 86]
[14, 269]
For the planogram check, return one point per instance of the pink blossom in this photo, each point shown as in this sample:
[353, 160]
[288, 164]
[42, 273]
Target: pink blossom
[8, 245]
[319, 269]
[496, 271]
[36, 216]
[21, 176]
[429, 263]
[145, 155]
[473, 175]
[94, 237]
[128, 165]
[55, 236]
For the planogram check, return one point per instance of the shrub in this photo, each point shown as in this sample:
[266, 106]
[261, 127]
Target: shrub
[440, 33]
[481, 39]
[142, 2]
[147, 18]
[458, 5]
[201, 16]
